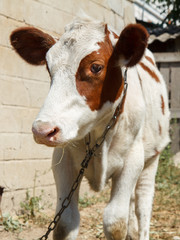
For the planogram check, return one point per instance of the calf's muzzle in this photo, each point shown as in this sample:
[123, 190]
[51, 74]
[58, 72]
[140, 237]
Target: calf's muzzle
[45, 133]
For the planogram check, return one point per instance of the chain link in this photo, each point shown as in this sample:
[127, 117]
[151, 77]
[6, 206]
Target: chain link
[89, 153]
[64, 205]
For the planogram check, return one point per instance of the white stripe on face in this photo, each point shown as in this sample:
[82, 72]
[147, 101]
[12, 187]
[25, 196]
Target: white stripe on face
[64, 107]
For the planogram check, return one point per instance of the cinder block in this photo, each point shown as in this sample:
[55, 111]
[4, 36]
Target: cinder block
[25, 174]
[1, 153]
[110, 19]
[18, 92]
[104, 12]
[7, 26]
[13, 65]
[13, 9]
[13, 92]
[80, 5]
[37, 91]
[22, 146]
[11, 199]
[117, 6]
[17, 119]
[90, 8]
[115, 21]
[103, 3]
[129, 13]
[119, 24]
[66, 6]
[9, 143]
[50, 18]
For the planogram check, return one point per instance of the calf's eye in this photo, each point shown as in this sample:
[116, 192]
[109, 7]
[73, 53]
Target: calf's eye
[96, 68]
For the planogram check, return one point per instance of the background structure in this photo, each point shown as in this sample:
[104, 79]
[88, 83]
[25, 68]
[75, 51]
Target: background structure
[24, 165]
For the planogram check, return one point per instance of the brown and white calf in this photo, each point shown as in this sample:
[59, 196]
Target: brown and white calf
[86, 67]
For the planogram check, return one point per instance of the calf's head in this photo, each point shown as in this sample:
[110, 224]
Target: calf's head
[85, 70]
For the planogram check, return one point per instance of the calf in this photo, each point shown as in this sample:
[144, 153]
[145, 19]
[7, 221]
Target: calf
[86, 67]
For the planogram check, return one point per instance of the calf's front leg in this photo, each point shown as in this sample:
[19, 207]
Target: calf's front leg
[65, 174]
[144, 197]
[123, 183]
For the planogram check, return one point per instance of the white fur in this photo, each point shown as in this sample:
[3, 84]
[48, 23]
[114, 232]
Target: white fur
[127, 155]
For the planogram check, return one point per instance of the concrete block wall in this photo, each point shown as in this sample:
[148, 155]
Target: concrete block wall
[24, 165]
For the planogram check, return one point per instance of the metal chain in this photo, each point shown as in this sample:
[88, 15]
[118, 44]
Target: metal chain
[89, 153]
[64, 205]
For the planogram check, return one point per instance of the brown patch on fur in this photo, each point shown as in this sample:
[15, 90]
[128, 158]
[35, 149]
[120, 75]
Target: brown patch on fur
[160, 129]
[118, 230]
[162, 105]
[115, 35]
[134, 236]
[107, 85]
[156, 153]
[140, 80]
[131, 44]
[151, 73]
[150, 60]
[31, 44]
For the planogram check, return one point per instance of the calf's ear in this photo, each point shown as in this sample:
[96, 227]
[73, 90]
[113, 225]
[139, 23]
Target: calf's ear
[31, 44]
[131, 45]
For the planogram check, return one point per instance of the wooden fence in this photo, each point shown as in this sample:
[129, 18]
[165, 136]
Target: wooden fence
[169, 66]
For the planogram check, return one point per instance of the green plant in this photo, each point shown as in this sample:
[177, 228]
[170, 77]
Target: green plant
[168, 176]
[31, 210]
[31, 206]
[11, 224]
[166, 210]
[88, 201]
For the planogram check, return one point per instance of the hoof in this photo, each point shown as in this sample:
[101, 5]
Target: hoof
[117, 231]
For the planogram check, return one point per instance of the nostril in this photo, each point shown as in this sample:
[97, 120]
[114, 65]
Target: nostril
[44, 130]
[46, 133]
[53, 132]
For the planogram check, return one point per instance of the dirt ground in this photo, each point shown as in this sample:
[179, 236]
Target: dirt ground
[165, 224]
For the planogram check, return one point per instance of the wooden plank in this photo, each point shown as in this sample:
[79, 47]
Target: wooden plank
[175, 136]
[169, 66]
[167, 57]
[175, 85]
[175, 113]
[164, 69]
